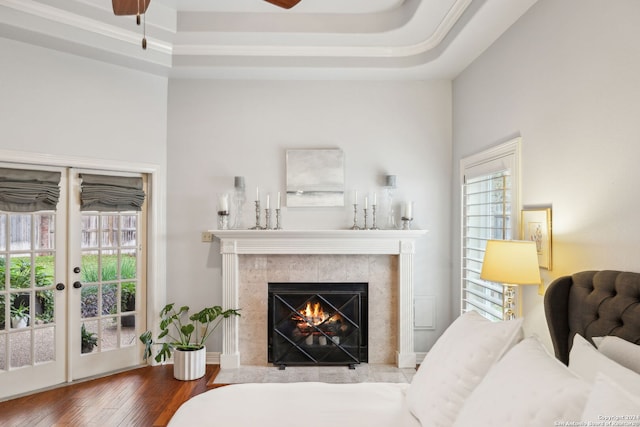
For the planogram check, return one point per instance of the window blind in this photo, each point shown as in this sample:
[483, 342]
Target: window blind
[486, 215]
[111, 193]
[23, 190]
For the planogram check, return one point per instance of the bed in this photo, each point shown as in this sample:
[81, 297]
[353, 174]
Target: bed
[478, 373]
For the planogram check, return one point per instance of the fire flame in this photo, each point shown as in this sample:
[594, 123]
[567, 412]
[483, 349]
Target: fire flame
[313, 315]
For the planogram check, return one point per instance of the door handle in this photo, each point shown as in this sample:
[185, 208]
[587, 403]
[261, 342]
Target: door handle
[60, 287]
[77, 285]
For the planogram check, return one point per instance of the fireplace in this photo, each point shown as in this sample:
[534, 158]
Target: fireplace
[317, 324]
[251, 260]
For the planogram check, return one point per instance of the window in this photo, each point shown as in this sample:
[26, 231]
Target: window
[490, 204]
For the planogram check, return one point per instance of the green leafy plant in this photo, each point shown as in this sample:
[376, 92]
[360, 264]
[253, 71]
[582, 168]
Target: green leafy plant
[20, 312]
[182, 331]
[89, 339]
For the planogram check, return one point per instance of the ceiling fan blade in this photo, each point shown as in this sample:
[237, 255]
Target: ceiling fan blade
[287, 4]
[130, 7]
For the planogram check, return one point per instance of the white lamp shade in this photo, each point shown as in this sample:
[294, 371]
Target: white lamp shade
[511, 262]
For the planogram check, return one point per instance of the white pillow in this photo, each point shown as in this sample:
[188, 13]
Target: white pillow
[608, 402]
[622, 351]
[586, 361]
[527, 387]
[455, 365]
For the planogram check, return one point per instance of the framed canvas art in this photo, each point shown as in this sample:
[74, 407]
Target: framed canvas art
[315, 178]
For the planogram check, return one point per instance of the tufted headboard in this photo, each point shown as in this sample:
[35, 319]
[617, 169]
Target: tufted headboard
[592, 303]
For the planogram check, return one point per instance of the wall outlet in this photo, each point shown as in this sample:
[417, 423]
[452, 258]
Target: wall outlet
[207, 236]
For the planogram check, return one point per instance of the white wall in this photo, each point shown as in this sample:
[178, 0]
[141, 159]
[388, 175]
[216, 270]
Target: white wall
[60, 104]
[565, 78]
[220, 129]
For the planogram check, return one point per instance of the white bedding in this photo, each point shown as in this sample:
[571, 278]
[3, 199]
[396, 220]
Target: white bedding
[305, 404]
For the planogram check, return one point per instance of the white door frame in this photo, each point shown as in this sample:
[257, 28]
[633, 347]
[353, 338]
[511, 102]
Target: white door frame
[156, 222]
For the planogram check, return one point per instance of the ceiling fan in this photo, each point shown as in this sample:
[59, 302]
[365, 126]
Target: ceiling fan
[139, 7]
[287, 4]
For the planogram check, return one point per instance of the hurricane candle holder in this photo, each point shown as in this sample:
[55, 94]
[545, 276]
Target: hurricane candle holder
[223, 220]
[257, 226]
[406, 223]
[355, 217]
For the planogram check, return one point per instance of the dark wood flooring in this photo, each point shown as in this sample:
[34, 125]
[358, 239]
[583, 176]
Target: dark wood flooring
[146, 396]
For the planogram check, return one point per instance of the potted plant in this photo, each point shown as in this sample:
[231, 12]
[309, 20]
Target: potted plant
[185, 337]
[89, 340]
[20, 316]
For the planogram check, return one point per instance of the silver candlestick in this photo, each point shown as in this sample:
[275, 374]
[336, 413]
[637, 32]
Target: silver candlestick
[373, 218]
[267, 221]
[355, 217]
[257, 226]
[406, 223]
[365, 219]
[278, 227]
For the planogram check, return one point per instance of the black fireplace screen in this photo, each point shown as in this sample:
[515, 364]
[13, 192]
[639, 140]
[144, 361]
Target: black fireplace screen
[317, 324]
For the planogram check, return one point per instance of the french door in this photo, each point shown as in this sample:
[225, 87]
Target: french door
[79, 278]
[106, 260]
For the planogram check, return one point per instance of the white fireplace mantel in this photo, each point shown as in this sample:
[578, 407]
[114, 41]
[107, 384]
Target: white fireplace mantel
[234, 243]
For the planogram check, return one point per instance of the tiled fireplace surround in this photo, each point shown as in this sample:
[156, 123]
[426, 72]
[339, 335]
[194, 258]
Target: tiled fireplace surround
[383, 258]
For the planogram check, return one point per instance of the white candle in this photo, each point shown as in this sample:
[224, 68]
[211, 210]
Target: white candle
[408, 210]
[279, 204]
[223, 202]
[267, 201]
[366, 201]
[257, 193]
[375, 198]
[355, 197]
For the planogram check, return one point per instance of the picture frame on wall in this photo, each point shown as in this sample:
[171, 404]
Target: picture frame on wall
[315, 177]
[535, 225]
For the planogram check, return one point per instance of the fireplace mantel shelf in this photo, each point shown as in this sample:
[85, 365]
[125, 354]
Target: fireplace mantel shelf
[234, 243]
[362, 242]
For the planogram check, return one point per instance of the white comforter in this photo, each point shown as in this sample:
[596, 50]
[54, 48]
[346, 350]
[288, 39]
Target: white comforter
[299, 404]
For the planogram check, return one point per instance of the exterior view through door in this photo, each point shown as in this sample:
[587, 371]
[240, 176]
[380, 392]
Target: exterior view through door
[67, 317]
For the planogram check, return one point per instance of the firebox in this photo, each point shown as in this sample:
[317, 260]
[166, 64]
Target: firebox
[317, 324]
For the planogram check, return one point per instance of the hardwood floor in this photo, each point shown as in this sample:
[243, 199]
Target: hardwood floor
[146, 396]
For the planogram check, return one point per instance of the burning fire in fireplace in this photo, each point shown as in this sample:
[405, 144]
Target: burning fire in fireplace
[314, 315]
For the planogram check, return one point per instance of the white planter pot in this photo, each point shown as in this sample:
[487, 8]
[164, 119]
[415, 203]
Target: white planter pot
[19, 322]
[189, 365]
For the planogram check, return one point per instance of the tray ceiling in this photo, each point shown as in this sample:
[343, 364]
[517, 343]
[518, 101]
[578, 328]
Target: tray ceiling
[317, 39]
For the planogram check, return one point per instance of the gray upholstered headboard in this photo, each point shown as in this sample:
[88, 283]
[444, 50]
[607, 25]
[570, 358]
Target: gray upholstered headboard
[592, 303]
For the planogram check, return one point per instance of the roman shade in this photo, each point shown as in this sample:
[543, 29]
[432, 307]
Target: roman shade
[111, 193]
[23, 190]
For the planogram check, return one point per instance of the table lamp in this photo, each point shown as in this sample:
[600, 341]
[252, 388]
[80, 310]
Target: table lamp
[511, 262]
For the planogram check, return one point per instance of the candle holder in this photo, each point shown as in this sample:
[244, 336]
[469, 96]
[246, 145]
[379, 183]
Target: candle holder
[365, 218]
[391, 215]
[257, 226]
[238, 201]
[223, 220]
[278, 227]
[373, 218]
[267, 220]
[406, 223]
[355, 217]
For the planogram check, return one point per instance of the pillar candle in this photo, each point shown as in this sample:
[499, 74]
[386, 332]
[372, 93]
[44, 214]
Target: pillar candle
[257, 193]
[408, 210]
[375, 198]
[223, 202]
[366, 201]
[279, 201]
